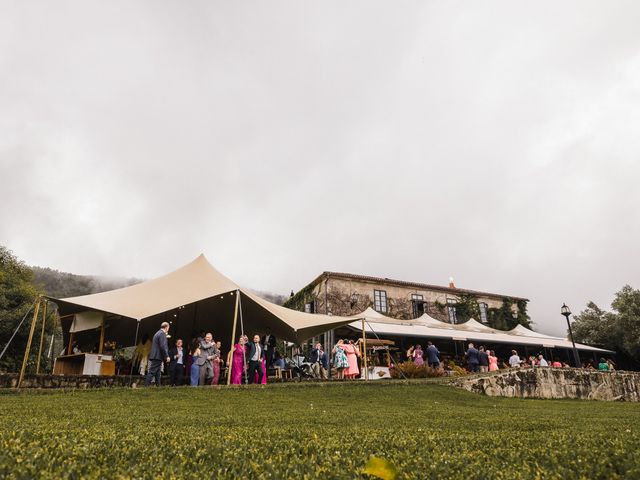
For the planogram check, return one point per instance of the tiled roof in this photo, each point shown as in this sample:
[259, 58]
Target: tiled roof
[402, 283]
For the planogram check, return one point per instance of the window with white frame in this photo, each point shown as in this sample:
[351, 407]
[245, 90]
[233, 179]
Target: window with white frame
[484, 310]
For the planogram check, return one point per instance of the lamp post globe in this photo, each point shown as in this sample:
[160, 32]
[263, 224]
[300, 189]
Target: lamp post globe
[566, 312]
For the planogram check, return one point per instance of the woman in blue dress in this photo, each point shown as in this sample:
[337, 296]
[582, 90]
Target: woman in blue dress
[195, 369]
[340, 362]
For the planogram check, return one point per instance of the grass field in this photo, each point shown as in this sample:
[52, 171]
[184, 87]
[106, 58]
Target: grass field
[312, 431]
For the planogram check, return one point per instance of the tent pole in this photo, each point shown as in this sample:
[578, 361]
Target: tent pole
[244, 357]
[26, 352]
[135, 343]
[101, 336]
[364, 342]
[44, 322]
[233, 336]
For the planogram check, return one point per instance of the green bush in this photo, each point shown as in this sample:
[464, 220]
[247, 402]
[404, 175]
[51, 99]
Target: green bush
[411, 370]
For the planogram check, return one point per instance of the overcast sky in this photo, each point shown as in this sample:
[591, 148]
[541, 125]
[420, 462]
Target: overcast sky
[495, 142]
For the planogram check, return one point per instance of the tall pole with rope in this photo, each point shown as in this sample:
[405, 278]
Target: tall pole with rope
[26, 352]
[44, 322]
[233, 336]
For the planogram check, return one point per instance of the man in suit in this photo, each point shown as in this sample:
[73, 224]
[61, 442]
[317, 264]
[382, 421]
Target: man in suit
[255, 353]
[159, 353]
[433, 355]
[473, 360]
[208, 353]
[176, 367]
[319, 362]
[269, 342]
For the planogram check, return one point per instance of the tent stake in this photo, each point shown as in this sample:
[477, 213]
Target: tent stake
[26, 352]
[44, 322]
[233, 335]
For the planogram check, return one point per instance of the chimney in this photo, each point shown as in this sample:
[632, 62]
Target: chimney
[451, 284]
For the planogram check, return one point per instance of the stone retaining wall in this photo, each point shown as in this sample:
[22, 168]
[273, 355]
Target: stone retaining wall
[557, 383]
[10, 380]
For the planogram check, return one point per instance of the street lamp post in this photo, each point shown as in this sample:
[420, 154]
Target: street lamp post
[567, 312]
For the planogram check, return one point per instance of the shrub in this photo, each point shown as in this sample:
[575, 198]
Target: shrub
[411, 370]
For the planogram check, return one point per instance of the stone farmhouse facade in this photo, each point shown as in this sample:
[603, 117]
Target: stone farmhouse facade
[348, 294]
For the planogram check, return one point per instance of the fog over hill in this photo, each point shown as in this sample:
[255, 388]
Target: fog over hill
[63, 284]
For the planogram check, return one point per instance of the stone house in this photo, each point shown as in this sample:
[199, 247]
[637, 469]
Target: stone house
[348, 294]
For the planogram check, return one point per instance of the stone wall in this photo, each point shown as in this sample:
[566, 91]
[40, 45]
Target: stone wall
[557, 383]
[10, 380]
[340, 290]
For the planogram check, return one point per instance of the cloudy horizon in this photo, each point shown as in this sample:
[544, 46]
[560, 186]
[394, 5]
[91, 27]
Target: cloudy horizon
[494, 142]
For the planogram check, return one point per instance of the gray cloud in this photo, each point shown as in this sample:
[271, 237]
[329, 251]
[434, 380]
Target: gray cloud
[494, 142]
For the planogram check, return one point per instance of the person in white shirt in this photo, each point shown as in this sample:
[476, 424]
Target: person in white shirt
[542, 362]
[514, 360]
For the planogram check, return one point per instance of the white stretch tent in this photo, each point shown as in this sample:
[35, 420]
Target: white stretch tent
[426, 326]
[196, 296]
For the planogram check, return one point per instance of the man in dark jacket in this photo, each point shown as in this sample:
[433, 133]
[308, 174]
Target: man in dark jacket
[255, 353]
[472, 358]
[433, 355]
[178, 360]
[483, 360]
[319, 362]
[269, 343]
[159, 353]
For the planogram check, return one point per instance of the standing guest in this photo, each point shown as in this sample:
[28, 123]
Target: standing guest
[483, 360]
[493, 361]
[208, 353]
[410, 353]
[159, 353]
[263, 366]
[237, 361]
[254, 359]
[176, 366]
[433, 355]
[603, 365]
[217, 365]
[542, 362]
[418, 356]
[140, 355]
[471, 355]
[514, 360]
[319, 362]
[194, 353]
[340, 361]
[352, 357]
[269, 342]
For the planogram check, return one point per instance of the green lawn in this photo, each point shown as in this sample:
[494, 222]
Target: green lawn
[312, 431]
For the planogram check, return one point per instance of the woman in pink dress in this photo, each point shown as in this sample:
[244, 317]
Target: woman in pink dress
[493, 361]
[418, 356]
[237, 362]
[352, 357]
